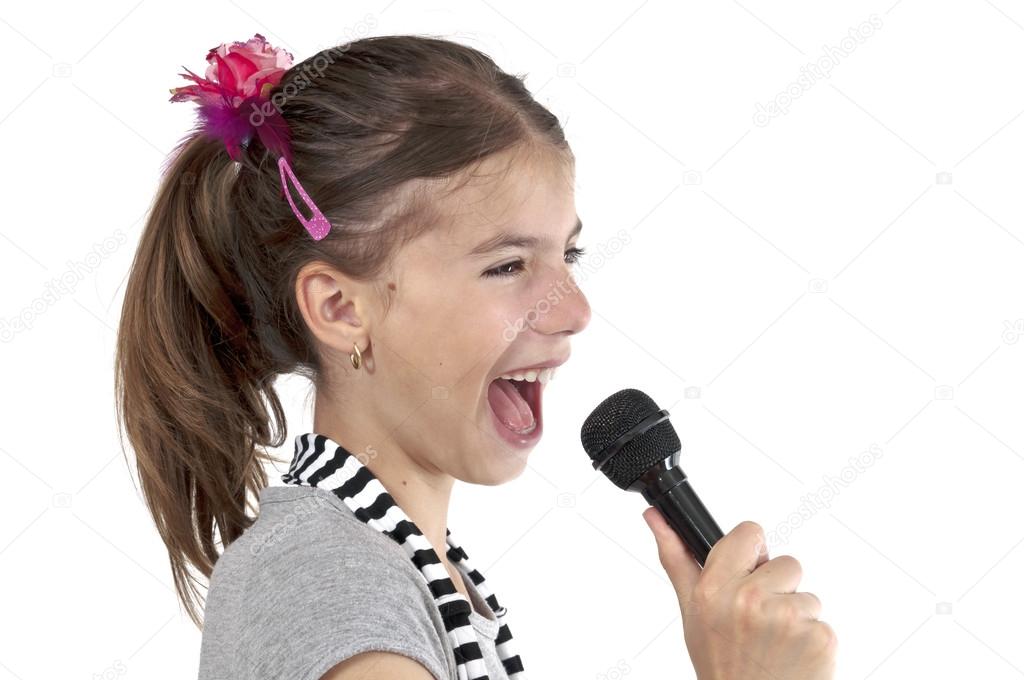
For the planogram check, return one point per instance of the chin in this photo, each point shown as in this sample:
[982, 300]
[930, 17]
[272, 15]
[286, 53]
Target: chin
[509, 466]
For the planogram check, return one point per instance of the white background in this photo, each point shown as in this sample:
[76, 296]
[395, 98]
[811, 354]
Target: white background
[796, 290]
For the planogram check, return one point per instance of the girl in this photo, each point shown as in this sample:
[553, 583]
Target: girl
[428, 297]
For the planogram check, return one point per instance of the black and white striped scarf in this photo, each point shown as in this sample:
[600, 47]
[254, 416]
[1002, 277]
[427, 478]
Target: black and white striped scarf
[320, 461]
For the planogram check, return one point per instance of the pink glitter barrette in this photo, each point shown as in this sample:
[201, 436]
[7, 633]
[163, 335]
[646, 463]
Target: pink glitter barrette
[234, 105]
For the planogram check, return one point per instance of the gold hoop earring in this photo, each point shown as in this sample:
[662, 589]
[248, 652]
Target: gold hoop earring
[356, 357]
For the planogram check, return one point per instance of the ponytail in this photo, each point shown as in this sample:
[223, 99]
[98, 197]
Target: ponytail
[189, 380]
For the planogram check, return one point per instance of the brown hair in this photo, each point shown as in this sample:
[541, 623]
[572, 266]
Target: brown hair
[210, 315]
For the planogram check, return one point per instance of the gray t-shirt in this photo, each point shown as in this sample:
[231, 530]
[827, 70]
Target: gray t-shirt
[309, 584]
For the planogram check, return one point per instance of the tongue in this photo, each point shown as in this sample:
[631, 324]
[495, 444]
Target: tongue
[508, 404]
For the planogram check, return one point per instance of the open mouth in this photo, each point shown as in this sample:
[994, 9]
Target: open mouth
[516, 404]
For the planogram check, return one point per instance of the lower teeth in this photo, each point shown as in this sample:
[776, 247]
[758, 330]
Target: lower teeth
[527, 430]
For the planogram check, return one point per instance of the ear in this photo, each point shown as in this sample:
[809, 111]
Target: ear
[335, 307]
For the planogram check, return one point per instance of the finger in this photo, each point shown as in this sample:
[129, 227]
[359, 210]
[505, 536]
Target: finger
[803, 605]
[677, 560]
[781, 574]
[735, 555]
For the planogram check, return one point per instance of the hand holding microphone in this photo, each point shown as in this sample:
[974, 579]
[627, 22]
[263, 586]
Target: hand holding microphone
[742, 619]
[742, 616]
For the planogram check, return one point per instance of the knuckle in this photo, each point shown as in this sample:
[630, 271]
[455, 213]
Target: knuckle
[748, 598]
[752, 528]
[791, 563]
[703, 595]
[789, 615]
[824, 637]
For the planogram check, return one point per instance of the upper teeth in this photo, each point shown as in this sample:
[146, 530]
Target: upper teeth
[543, 375]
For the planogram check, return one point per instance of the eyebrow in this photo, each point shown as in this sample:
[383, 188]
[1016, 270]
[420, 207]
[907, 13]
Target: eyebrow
[507, 240]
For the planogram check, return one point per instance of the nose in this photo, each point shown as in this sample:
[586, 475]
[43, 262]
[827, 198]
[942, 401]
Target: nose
[563, 309]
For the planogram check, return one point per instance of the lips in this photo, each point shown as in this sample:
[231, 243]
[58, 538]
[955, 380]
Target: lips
[512, 424]
[549, 363]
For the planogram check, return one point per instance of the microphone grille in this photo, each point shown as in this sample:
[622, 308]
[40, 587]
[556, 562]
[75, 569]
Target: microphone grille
[615, 416]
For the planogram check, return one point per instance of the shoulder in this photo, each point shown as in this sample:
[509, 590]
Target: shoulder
[374, 664]
[302, 530]
[307, 545]
[309, 585]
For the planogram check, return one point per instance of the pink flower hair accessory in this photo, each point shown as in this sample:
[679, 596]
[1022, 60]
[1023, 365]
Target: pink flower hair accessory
[234, 105]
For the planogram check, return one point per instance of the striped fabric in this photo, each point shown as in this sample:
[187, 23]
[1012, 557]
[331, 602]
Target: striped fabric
[320, 461]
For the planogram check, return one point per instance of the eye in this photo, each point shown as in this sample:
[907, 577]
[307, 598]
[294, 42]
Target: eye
[510, 269]
[500, 270]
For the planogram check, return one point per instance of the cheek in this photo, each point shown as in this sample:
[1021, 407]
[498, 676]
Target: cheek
[516, 311]
[477, 336]
[452, 340]
[504, 317]
[417, 340]
[457, 338]
[476, 339]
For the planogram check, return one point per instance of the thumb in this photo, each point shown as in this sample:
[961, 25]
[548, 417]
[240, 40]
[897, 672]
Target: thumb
[677, 560]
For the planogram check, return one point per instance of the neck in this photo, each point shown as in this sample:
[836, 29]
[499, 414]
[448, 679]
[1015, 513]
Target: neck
[419, 488]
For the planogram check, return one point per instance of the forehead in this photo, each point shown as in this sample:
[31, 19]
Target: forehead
[526, 192]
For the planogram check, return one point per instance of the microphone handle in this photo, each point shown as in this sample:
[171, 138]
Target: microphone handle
[684, 512]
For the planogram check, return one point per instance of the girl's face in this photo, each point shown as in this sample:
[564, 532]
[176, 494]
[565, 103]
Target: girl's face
[487, 294]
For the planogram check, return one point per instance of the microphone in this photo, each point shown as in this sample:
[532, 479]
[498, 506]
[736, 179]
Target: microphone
[632, 442]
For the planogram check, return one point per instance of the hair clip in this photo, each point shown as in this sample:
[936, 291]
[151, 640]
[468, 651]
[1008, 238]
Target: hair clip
[317, 225]
[239, 78]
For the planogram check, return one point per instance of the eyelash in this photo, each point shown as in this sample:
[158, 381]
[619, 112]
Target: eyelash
[573, 253]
